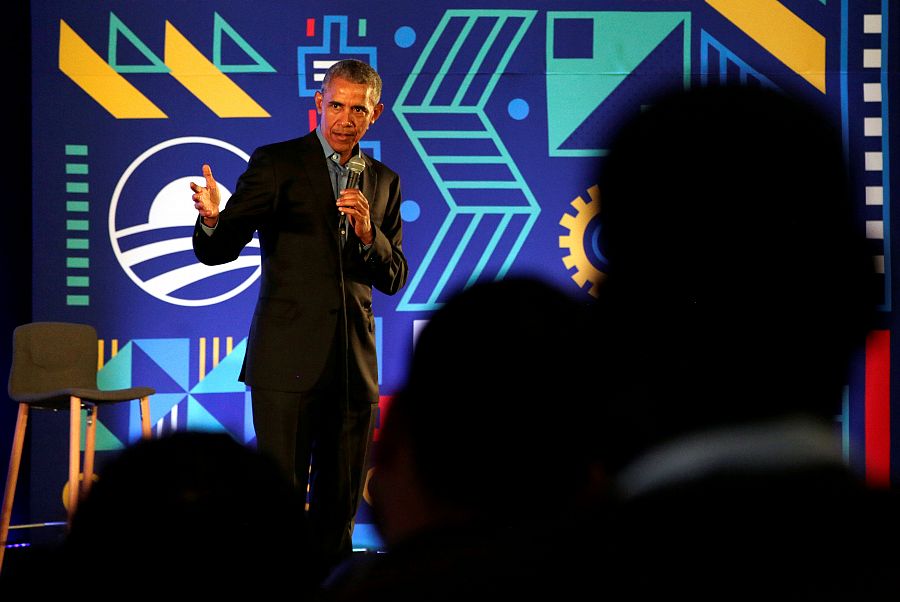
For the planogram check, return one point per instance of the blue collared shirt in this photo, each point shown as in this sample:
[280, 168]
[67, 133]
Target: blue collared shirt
[337, 171]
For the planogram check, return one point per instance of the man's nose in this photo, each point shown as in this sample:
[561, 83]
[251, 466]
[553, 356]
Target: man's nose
[346, 117]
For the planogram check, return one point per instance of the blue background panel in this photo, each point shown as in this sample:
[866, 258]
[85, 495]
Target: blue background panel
[497, 116]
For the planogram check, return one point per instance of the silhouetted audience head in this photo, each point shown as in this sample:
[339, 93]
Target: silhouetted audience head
[196, 511]
[493, 418]
[739, 280]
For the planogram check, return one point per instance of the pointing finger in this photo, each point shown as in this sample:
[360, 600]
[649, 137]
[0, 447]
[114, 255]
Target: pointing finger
[207, 173]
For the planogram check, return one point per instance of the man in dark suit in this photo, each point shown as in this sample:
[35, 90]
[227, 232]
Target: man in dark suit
[311, 358]
[739, 290]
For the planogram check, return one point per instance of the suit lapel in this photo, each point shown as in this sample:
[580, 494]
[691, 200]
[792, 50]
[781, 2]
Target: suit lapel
[370, 181]
[313, 161]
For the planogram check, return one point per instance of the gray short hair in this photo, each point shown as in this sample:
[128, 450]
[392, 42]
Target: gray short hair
[357, 72]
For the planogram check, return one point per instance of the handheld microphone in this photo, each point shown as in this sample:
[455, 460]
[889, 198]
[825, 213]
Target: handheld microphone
[355, 165]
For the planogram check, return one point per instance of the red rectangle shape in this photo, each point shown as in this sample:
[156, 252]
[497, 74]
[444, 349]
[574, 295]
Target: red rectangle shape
[310, 28]
[878, 408]
[384, 402]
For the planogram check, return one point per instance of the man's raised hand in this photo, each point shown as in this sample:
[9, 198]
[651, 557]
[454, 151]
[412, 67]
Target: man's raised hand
[206, 198]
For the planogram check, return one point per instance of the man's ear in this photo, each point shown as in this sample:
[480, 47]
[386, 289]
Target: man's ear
[318, 97]
[376, 112]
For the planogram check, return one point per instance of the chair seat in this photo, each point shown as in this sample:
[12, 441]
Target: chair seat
[59, 398]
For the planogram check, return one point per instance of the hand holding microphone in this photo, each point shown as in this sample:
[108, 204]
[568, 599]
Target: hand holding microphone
[353, 203]
[355, 165]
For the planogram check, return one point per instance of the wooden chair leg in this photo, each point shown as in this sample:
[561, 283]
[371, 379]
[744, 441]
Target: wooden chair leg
[145, 417]
[12, 476]
[74, 454]
[89, 447]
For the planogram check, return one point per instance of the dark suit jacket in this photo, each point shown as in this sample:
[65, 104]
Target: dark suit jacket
[286, 195]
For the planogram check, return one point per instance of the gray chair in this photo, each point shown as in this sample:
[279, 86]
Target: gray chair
[54, 367]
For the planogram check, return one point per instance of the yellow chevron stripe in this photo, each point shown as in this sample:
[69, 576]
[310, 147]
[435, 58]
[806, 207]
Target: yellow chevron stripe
[781, 32]
[101, 82]
[202, 79]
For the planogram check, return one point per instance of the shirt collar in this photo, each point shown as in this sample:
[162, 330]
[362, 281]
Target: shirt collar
[330, 153]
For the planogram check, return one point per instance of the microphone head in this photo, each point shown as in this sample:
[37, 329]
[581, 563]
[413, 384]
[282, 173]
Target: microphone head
[356, 164]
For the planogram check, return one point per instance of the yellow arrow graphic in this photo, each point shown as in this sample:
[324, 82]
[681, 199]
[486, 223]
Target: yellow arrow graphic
[202, 79]
[788, 37]
[100, 81]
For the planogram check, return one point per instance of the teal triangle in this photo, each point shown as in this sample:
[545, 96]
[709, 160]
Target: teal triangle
[172, 355]
[116, 373]
[118, 30]
[577, 86]
[224, 377]
[104, 440]
[259, 64]
[228, 409]
[199, 419]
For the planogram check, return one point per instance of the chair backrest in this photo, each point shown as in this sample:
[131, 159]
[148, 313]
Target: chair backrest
[52, 356]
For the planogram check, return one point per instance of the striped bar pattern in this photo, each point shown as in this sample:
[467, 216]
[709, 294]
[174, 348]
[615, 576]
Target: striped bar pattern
[489, 216]
[78, 225]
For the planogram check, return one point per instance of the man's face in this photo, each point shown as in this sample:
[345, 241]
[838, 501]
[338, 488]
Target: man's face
[346, 110]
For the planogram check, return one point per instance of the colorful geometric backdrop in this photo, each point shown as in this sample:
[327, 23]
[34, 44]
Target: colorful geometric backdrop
[496, 118]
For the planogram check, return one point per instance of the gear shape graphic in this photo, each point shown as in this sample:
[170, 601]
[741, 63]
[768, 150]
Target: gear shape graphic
[577, 225]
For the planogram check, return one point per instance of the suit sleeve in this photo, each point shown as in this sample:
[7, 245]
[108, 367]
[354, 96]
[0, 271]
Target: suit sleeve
[251, 204]
[385, 261]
